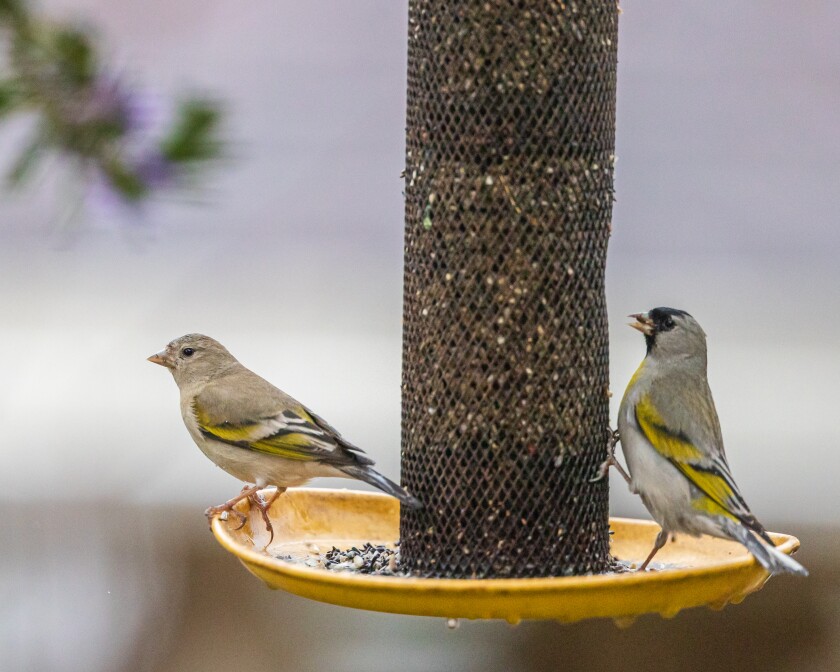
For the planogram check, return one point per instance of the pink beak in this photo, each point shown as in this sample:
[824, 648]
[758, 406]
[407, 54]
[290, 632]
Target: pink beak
[162, 359]
[643, 323]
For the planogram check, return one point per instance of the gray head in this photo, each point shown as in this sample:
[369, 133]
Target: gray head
[671, 333]
[194, 358]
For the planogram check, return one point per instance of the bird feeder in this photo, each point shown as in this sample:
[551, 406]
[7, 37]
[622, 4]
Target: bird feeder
[509, 189]
[505, 395]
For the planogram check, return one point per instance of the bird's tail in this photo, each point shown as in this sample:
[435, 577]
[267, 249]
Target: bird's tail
[773, 560]
[369, 475]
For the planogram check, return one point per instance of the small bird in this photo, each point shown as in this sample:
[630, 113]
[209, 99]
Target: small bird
[671, 439]
[256, 432]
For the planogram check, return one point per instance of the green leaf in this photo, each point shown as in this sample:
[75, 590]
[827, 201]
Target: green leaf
[10, 98]
[125, 182]
[193, 138]
[23, 165]
[12, 9]
[78, 58]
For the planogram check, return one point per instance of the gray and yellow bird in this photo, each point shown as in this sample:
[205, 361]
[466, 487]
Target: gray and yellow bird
[671, 439]
[256, 432]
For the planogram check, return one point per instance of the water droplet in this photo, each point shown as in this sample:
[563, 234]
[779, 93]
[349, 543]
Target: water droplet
[624, 622]
[737, 599]
[669, 613]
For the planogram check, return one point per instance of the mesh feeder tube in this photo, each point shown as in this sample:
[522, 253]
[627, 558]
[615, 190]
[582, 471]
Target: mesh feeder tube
[509, 189]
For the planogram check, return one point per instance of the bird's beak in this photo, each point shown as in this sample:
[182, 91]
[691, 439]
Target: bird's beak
[163, 359]
[643, 323]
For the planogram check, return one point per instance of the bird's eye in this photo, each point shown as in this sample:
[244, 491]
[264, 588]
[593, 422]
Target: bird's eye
[188, 352]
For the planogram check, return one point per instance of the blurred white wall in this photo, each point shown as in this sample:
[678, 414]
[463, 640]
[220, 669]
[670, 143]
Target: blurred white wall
[726, 187]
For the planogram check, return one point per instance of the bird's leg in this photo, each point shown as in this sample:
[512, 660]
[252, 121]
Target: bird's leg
[245, 493]
[264, 507]
[661, 540]
[611, 460]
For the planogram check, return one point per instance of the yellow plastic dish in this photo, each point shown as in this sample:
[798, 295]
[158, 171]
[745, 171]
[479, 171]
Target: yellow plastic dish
[711, 571]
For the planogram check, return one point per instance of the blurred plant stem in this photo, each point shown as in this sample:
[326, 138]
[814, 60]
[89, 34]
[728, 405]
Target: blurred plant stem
[85, 113]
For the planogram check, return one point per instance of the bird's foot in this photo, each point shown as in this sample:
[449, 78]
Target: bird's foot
[603, 469]
[264, 506]
[661, 540]
[228, 507]
[611, 460]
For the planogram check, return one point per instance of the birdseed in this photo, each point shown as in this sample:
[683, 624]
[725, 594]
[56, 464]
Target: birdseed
[377, 560]
[381, 560]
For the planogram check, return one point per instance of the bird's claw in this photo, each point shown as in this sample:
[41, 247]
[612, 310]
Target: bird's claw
[264, 506]
[250, 493]
[611, 460]
[243, 520]
[228, 507]
[223, 512]
[603, 469]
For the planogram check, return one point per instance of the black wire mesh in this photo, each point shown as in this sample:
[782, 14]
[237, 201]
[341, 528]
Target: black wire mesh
[509, 186]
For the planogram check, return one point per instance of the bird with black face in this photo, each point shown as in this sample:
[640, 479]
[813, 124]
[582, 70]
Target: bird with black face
[671, 439]
[256, 432]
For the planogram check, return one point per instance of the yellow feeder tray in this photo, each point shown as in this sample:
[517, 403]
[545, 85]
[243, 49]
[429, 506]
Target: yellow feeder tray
[306, 521]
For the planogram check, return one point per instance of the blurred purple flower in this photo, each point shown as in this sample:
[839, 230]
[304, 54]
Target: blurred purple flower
[145, 113]
[155, 171]
[140, 118]
[105, 101]
[122, 144]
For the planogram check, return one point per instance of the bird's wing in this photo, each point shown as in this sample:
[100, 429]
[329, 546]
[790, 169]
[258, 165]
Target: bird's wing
[255, 415]
[692, 443]
[328, 429]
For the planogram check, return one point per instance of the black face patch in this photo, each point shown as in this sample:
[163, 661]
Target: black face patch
[663, 318]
